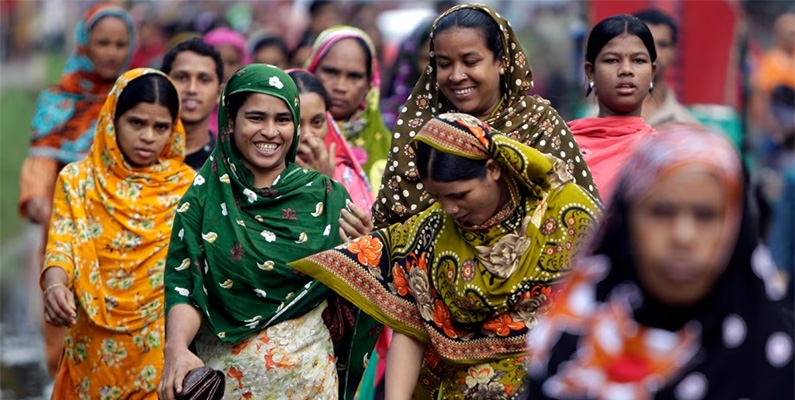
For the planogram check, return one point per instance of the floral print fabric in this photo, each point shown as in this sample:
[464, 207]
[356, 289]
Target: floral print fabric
[293, 359]
[426, 278]
[109, 232]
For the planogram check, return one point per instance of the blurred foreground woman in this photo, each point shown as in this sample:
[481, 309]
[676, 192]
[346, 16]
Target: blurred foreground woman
[679, 300]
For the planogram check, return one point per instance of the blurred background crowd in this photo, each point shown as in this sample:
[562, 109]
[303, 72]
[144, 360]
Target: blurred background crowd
[732, 66]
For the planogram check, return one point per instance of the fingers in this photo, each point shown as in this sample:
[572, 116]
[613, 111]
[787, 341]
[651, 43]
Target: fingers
[59, 308]
[165, 390]
[344, 236]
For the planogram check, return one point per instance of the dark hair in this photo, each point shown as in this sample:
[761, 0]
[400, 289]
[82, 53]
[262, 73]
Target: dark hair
[653, 16]
[269, 41]
[152, 89]
[308, 83]
[446, 167]
[611, 27]
[234, 102]
[476, 19]
[316, 5]
[198, 46]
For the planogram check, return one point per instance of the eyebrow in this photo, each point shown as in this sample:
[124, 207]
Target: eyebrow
[263, 113]
[615, 53]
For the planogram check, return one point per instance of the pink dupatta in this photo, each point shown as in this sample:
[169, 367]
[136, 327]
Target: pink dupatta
[606, 143]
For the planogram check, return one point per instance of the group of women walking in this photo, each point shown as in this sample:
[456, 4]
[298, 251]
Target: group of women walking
[484, 254]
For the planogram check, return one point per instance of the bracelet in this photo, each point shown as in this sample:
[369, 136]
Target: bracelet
[52, 286]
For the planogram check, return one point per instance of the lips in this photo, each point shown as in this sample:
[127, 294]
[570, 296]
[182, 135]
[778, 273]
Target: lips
[190, 104]
[626, 88]
[338, 103]
[266, 148]
[145, 154]
[679, 271]
[462, 93]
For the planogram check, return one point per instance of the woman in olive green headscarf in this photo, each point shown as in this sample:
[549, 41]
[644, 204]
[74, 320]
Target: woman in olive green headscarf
[463, 282]
[251, 210]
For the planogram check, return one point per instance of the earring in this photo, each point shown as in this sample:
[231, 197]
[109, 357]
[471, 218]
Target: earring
[590, 84]
[651, 86]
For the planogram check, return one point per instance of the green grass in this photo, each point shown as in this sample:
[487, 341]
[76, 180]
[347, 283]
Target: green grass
[16, 112]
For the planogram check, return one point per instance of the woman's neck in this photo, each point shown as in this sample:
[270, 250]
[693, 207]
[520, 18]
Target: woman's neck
[605, 112]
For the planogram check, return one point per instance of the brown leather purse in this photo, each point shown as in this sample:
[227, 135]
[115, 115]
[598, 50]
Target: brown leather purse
[203, 383]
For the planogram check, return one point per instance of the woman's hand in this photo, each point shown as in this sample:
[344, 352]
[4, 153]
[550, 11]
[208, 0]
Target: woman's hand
[38, 210]
[59, 302]
[178, 362]
[354, 225]
[312, 154]
[182, 323]
[59, 306]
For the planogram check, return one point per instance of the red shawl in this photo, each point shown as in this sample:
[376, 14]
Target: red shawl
[606, 143]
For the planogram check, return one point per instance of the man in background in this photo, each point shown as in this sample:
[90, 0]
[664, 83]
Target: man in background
[197, 71]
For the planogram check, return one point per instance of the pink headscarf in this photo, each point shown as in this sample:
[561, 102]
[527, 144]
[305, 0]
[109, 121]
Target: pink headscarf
[217, 37]
[232, 37]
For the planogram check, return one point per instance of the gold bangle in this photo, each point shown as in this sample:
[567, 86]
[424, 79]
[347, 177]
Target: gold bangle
[52, 286]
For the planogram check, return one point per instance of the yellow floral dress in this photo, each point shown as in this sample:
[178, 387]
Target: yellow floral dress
[109, 232]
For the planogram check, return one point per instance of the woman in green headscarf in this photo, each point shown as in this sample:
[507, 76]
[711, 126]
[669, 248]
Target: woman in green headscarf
[463, 282]
[249, 211]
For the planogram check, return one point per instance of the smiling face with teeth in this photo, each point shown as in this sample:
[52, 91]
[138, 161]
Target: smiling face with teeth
[622, 73]
[467, 71]
[263, 131]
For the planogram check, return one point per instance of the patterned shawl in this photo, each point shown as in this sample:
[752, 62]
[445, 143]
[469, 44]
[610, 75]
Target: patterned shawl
[66, 113]
[734, 343]
[472, 293]
[365, 131]
[231, 241]
[109, 216]
[524, 118]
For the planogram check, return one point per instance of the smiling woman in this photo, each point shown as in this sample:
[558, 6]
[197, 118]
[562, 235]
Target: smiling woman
[477, 66]
[250, 211]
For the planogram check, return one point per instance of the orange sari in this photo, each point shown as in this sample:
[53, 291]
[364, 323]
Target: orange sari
[109, 231]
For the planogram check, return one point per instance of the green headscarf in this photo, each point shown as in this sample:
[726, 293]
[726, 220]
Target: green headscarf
[231, 242]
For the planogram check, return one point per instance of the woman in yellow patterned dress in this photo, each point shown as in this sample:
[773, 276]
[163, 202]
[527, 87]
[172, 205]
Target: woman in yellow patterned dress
[463, 282]
[105, 257]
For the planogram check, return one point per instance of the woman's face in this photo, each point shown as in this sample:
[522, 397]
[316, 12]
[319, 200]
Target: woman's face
[263, 131]
[313, 116]
[470, 201]
[142, 132]
[108, 46]
[467, 71]
[232, 59]
[622, 75]
[677, 229]
[343, 71]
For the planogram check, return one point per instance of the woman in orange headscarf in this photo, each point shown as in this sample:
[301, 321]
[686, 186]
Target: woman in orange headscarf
[105, 258]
